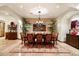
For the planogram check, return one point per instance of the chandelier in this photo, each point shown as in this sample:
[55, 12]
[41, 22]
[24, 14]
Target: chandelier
[39, 11]
[39, 19]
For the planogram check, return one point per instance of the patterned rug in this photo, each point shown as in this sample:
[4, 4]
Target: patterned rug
[24, 49]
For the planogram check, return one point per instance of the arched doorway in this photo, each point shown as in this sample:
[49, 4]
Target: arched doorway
[2, 28]
[75, 23]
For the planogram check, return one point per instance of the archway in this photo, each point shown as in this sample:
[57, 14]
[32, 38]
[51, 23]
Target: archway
[64, 24]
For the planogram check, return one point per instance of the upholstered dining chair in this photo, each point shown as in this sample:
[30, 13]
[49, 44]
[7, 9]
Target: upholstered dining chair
[23, 38]
[48, 41]
[48, 38]
[30, 39]
[55, 37]
[21, 34]
[39, 42]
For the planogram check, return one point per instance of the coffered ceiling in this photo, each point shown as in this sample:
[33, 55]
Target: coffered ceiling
[23, 9]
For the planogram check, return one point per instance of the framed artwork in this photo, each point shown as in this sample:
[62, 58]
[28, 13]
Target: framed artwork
[39, 27]
[2, 29]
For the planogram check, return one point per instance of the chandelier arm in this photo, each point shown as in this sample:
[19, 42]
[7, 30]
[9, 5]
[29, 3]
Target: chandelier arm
[39, 14]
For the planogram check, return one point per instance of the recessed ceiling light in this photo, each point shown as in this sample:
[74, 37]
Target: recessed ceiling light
[57, 6]
[21, 6]
[77, 6]
[6, 13]
[1, 5]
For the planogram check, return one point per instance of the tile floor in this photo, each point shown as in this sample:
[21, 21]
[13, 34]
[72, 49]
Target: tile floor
[14, 48]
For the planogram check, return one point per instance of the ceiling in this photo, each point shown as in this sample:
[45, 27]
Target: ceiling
[23, 9]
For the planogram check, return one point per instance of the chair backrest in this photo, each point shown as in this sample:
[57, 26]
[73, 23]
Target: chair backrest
[30, 37]
[55, 35]
[39, 38]
[48, 38]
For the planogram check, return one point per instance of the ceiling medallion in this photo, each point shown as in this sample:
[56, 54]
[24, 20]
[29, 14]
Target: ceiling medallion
[35, 11]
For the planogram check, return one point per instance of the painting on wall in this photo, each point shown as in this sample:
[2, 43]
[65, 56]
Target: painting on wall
[2, 29]
[39, 27]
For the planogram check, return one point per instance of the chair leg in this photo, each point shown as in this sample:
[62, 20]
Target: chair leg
[39, 45]
[49, 46]
[30, 45]
[24, 43]
[56, 42]
[53, 41]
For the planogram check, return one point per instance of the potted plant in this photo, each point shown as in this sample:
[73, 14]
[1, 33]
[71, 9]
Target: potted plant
[25, 25]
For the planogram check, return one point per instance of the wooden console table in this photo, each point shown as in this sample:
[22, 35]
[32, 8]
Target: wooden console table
[72, 40]
[11, 35]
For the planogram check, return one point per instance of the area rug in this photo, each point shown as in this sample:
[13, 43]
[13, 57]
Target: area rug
[23, 49]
